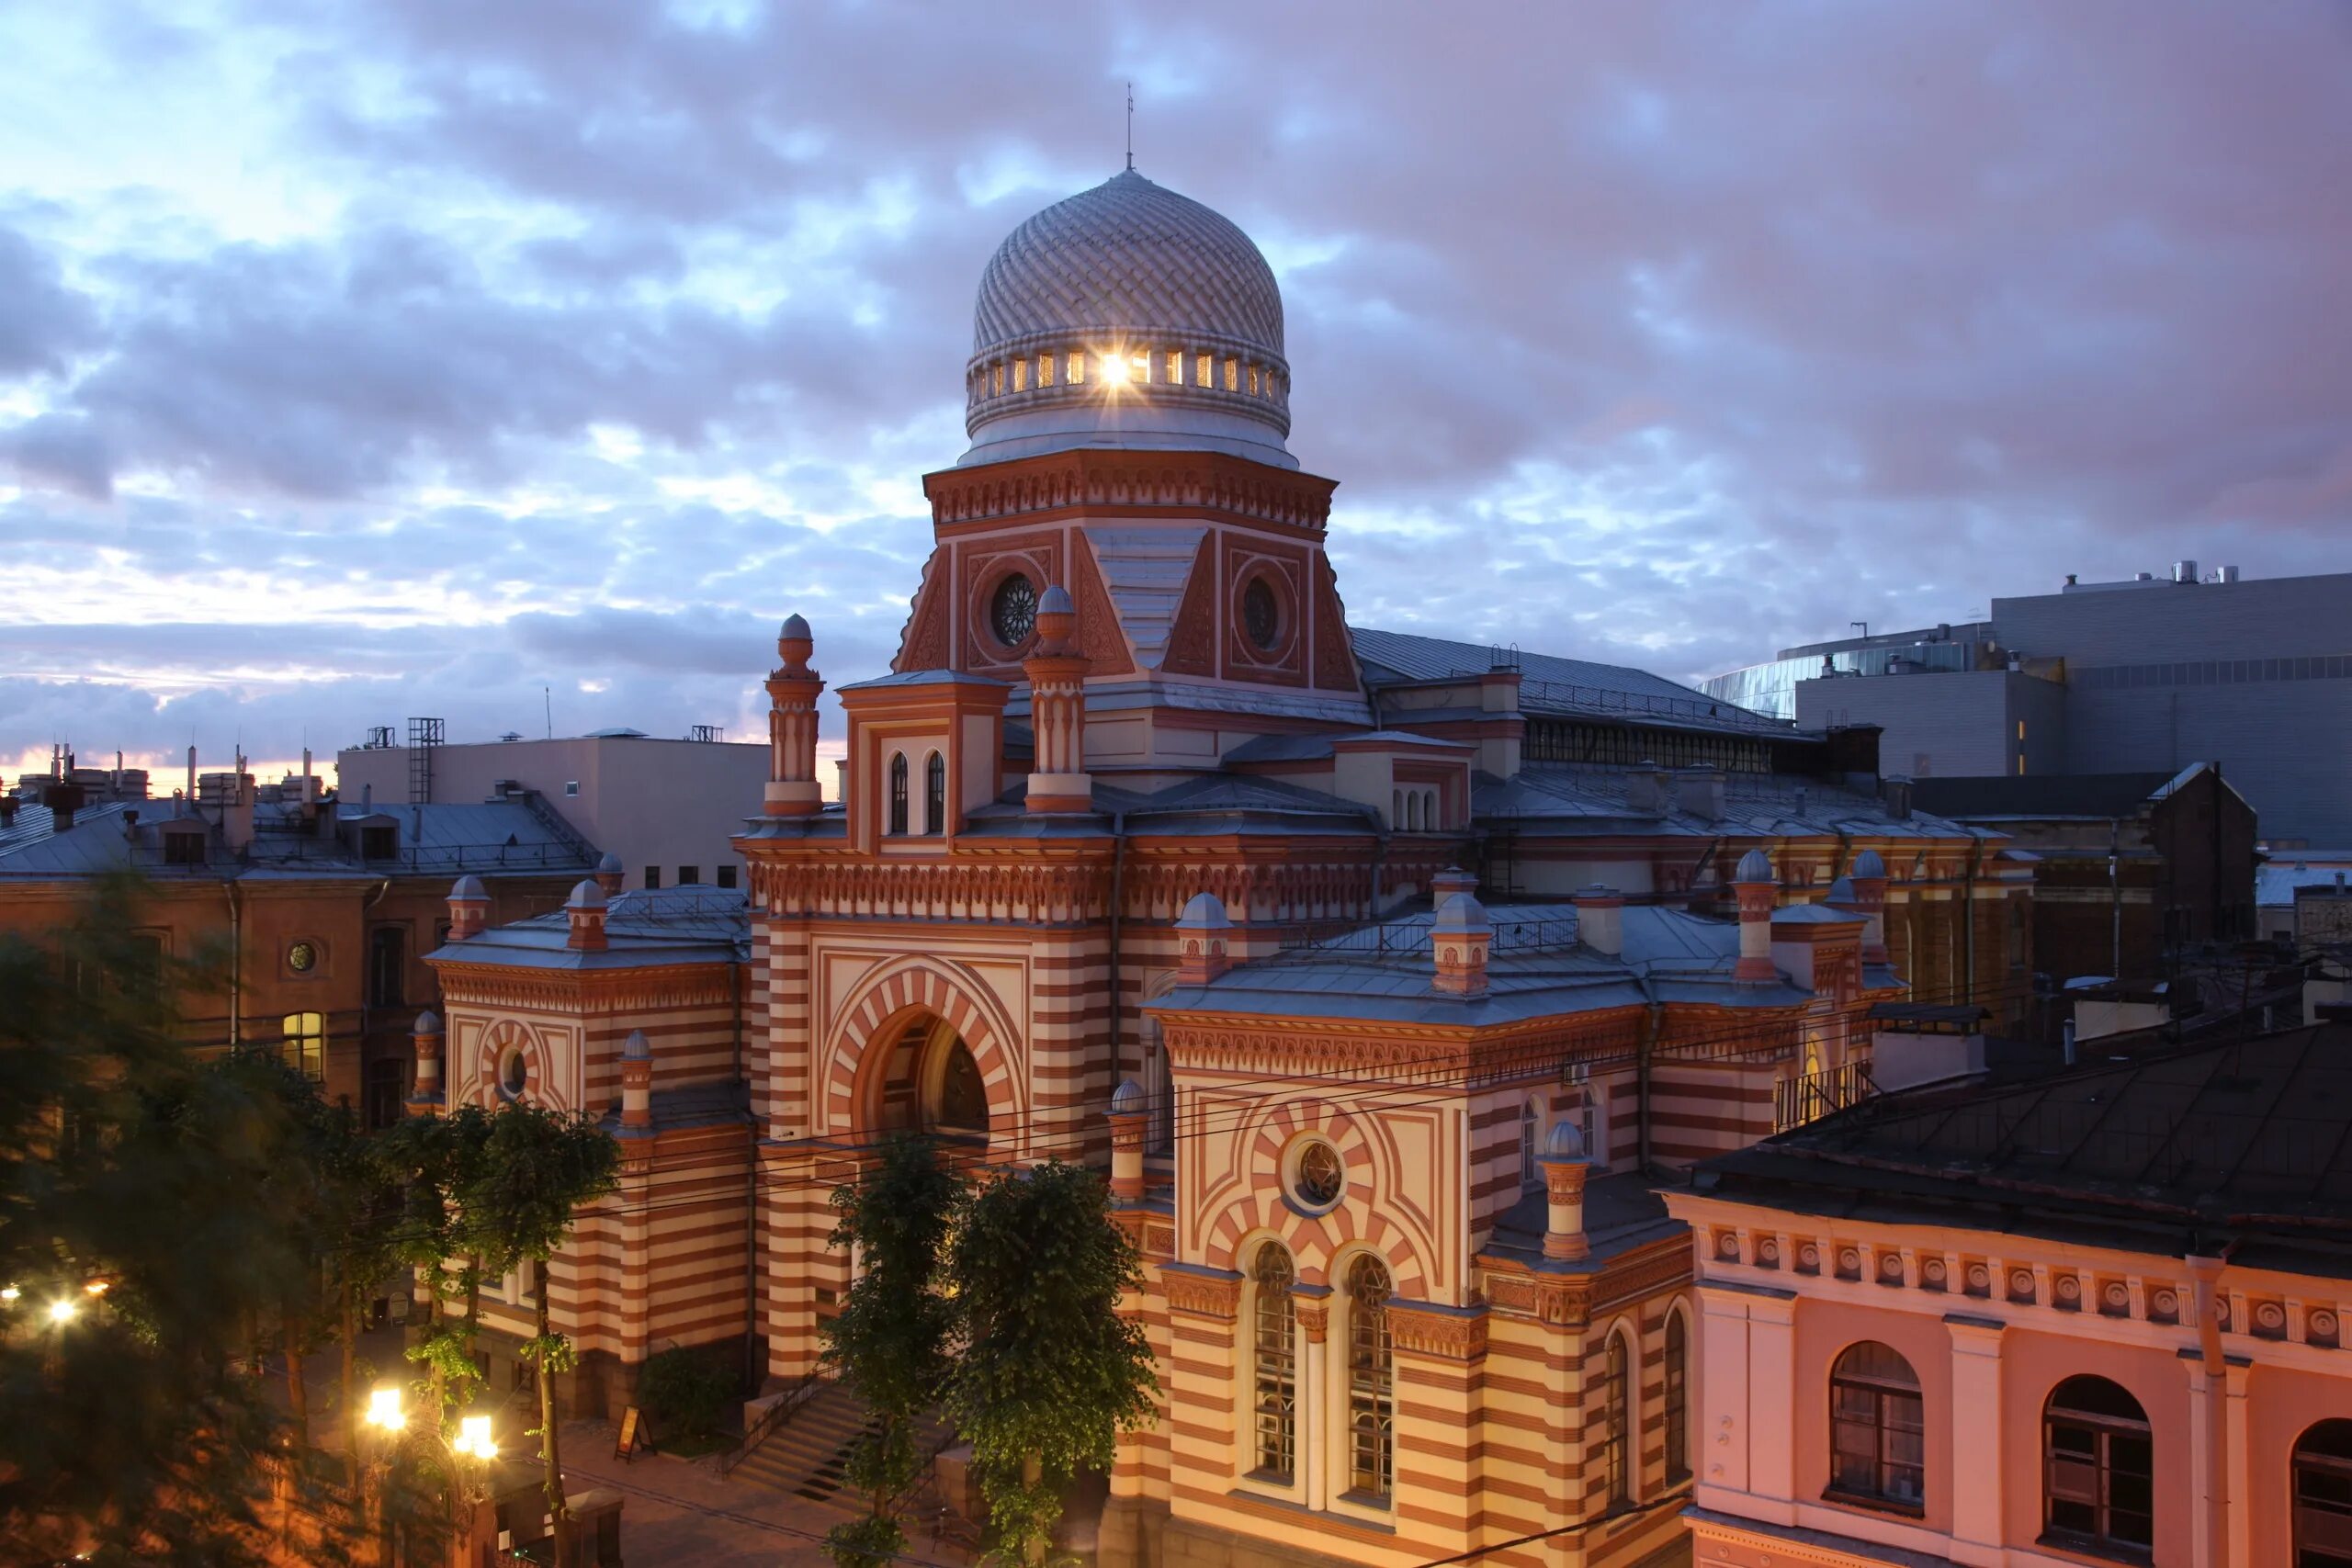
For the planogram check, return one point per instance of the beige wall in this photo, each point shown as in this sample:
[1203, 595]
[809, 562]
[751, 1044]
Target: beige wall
[663, 803]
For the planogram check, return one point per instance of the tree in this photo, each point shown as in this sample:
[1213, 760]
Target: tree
[537, 1169]
[1049, 1372]
[433, 1160]
[130, 1425]
[891, 1339]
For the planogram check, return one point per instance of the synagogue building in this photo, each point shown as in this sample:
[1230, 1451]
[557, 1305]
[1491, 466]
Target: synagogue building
[1382, 970]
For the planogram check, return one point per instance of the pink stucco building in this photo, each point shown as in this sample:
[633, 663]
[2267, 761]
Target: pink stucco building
[2095, 1319]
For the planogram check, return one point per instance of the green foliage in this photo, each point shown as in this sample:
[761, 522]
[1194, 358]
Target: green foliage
[868, 1540]
[686, 1389]
[892, 1337]
[124, 1157]
[1049, 1372]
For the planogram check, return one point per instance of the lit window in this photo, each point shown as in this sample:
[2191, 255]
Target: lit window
[1000, 379]
[1253, 380]
[1232, 374]
[1203, 367]
[2020, 766]
[306, 1044]
[1019, 374]
[1045, 370]
[1175, 366]
[1076, 365]
[1114, 368]
[2020, 729]
[1142, 365]
[1276, 1372]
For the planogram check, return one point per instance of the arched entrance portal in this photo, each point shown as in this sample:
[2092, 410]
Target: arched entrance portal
[931, 1083]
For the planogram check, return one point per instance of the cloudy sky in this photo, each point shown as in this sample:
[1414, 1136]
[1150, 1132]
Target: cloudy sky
[368, 360]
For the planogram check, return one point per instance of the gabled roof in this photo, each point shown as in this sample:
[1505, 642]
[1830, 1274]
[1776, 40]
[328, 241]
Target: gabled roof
[692, 924]
[438, 840]
[1551, 685]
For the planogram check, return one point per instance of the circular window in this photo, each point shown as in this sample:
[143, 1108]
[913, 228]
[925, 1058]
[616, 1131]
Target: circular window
[1316, 1177]
[303, 957]
[1012, 612]
[513, 1074]
[1261, 614]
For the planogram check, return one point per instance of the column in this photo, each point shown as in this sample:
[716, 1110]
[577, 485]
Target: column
[1772, 1400]
[1978, 1453]
[2240, 1501]
[1313, 1304]
[1722, 1437]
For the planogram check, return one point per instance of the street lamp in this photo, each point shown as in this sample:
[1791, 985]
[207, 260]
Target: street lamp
[61, 1310]
[384, 1408]
[474, 1440]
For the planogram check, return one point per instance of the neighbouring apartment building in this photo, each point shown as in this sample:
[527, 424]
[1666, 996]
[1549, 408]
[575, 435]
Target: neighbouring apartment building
[1142, 854]
[2095, 1319]
[2147, 675]
[665, 809]
[319, 909]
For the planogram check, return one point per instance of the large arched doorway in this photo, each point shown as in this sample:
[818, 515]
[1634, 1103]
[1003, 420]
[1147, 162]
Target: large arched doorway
[931, 1083]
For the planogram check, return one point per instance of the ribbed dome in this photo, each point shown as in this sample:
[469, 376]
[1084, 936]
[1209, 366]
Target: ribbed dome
[1128, 257]
[1127, 317]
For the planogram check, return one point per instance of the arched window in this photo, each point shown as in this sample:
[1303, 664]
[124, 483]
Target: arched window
[1531, 1144]
[1372, 1400]
[934, 795]
[1876, 1425]
[1413, 812]
[1617, 1416]
[1396, 808]
[2098, 1471]
[899, 793]
[1678, 1397]
[1428, 810]
[2323, 1495]
[1159, 1092]
[1274, 1363]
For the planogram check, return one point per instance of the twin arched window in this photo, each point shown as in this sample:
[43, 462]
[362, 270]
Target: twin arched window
[2098, 1470]
[1274, 1363]
[1877, 1427]
[934, 795]
[1618, 1386]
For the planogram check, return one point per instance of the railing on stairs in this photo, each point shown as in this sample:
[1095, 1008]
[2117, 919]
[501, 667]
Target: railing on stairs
[774, 1417]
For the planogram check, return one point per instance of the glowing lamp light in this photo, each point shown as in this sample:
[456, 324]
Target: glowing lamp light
[60, 1310]
[10, 1293]
[384, 1408]
[96, 1287]
[474, 1439]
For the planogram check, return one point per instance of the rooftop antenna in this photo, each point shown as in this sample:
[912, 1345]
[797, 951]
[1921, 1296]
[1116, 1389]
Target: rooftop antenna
[1131, 127]
[546, 695]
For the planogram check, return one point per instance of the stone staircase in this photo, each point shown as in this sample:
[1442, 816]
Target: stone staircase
[807, 1454]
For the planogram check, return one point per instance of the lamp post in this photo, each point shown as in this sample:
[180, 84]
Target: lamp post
[386, 1419]
[475, 1451]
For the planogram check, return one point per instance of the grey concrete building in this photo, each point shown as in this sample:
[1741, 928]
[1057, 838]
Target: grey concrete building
[2150, 675]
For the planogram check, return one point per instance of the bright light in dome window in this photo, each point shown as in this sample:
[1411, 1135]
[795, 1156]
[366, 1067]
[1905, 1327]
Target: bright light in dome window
[1115, 367]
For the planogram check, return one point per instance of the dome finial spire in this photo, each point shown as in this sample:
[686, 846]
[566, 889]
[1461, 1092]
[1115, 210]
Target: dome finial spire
[1131, 127]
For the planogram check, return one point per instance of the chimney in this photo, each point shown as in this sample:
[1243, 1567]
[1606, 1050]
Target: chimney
[2184, 571]
[1699, 792]
[587, 908]
[1869, 877]
[1601, 920]
[62, 800]
[1128, 1118]
[237, 816]
[426, 1035]
[309, 784]
[468, 909]
[1201, 935]
[637, 1080]
[10, 804]
[191, 776]
[1058, 781]
[1459, 938]
[1895, 794]
[1646, 790]
[1449, 882]
[609, 874]
[793, 689]
[1757, 888]
[1566, 1167]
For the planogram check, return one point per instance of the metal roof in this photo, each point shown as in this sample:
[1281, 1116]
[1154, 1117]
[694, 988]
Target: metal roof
[1551, 685]
[438, 840]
